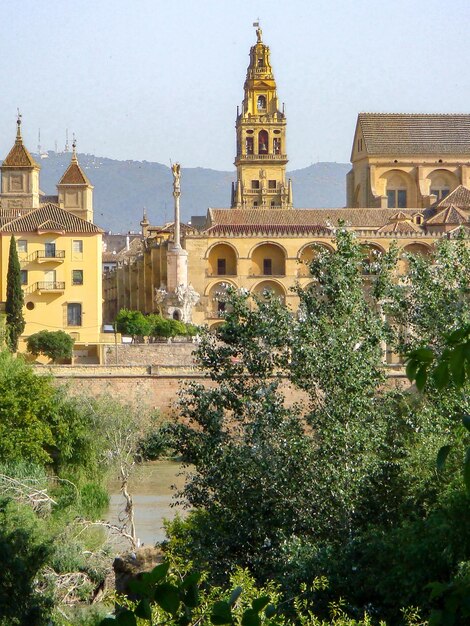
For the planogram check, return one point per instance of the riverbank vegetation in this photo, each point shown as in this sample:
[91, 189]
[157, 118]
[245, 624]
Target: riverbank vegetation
[330, 511]
[56, 454]
[346, 485]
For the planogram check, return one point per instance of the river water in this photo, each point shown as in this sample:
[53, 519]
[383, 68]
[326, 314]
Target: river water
[152, 486]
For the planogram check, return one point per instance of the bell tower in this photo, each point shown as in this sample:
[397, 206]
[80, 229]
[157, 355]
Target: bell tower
[261, 139]
[20, 176]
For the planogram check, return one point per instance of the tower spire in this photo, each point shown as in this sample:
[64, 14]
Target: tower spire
[74, 149]
[19, 139]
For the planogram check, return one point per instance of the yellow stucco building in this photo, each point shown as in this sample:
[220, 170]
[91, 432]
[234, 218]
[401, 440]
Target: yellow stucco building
[59, 250]
[408, 184]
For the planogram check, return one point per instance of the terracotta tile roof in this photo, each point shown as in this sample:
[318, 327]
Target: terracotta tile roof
[6, 215]
[460, 197]
[49, 216]
[449, 215]
[19, 156]
[415, 133]
[297, 220]
[74, 175]
[401, 226]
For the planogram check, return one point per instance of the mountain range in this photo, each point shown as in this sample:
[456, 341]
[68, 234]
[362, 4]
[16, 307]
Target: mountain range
[123, 188]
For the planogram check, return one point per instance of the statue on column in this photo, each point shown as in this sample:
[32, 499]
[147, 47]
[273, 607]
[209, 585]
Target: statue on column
[175, 170]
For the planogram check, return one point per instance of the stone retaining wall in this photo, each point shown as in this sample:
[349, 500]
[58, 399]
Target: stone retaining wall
[161, 353]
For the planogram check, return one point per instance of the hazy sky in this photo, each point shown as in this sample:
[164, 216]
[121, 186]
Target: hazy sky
[154, 80]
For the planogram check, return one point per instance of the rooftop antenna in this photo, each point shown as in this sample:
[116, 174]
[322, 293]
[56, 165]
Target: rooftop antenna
[66, 140]
[39, 141]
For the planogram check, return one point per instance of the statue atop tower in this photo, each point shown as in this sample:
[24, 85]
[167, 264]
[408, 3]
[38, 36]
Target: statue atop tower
[261, 138]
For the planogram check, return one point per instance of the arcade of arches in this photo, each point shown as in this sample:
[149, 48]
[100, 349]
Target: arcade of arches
[409, 185]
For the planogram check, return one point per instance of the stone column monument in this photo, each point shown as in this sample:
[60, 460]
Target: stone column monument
[177, 256]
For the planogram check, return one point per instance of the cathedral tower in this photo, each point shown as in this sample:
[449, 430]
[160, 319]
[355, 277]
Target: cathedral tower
[261, 139]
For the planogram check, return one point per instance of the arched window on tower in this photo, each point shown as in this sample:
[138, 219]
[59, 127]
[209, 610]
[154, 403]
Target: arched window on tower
[276, 145]
[263, 142]
[261, 103]
[249, 145]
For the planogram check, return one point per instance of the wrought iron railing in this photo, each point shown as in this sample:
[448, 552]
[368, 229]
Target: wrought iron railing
[50, 285]
[50, 254]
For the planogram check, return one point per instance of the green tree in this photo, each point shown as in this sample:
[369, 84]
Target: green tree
[24, 550]
[164, 327]
[55, 345]
[15, 300]
[132, 323]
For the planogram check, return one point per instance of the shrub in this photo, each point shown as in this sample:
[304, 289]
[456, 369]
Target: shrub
[132, 323]
[53, 344]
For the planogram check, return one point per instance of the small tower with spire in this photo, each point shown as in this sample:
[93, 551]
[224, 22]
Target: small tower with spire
[75, 190]
[144, 223]
[20, 176]
[261, 138]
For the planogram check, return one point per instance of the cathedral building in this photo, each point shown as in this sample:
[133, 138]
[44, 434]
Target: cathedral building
[59, 249]
[409, 184]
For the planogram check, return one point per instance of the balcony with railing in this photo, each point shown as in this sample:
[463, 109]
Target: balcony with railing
[263, 157]
[46, 256]
[49, 286]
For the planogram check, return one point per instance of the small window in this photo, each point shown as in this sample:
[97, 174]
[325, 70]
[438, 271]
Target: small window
[24, 277]
[401, 195]
[249, 145]
[255, 184]
[396, 198]
[77, 277]
[271, 184]
[260, 61]
[220, 306]
[267, 267]
[74, 314]
[276, 145]
[273, 204]
[255, 203]
[221, 267]
[22, 245]
[77, 247]
[30, 305]
[440, 193]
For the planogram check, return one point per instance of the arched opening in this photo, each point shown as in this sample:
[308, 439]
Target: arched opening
[277, 145]
[222, 260]
[417, 249]
[177, 315]
[372, 253]
[306, 256]
[217, 295]
[270, 287]
[268, 259]
[441, 183]
[263, 142]
[249, 145]
[397, 189]
[261, 103]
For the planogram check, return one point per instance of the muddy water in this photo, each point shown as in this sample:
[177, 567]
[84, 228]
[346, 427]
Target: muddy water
[152, 489]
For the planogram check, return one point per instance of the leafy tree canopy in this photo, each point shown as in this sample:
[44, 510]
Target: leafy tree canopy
[55, 345]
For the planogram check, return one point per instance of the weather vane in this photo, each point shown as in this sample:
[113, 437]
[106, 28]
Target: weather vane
[259, 32]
